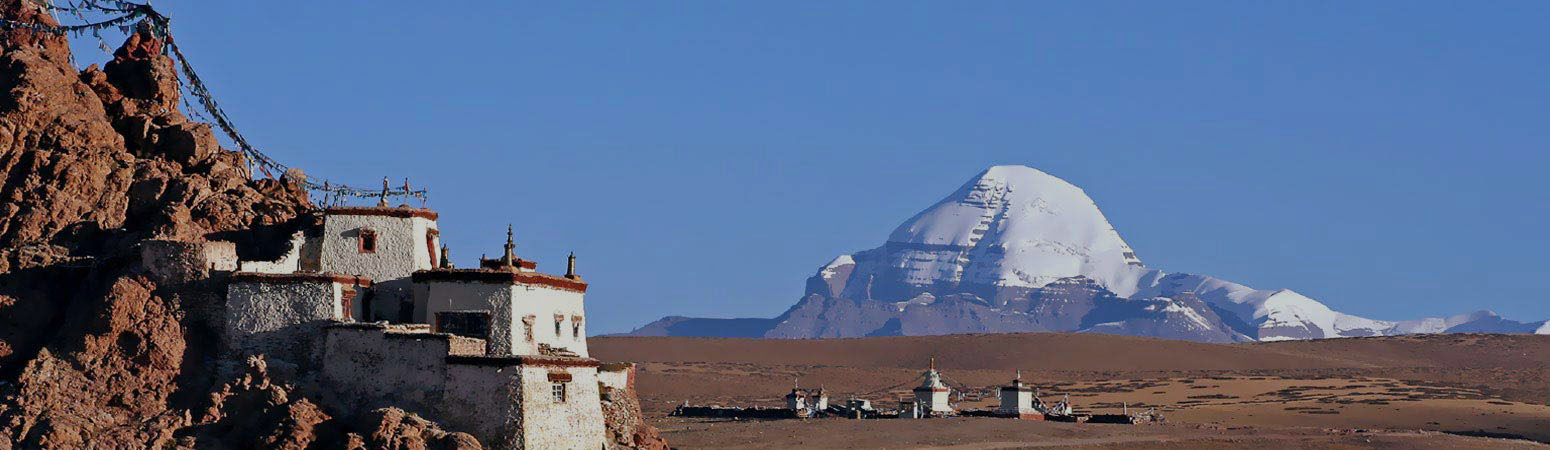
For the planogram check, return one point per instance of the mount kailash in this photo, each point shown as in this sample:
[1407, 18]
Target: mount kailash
[1018, 250]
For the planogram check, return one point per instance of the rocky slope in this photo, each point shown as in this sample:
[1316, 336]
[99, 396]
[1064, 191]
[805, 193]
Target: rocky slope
[101, 344]
[1015, 250]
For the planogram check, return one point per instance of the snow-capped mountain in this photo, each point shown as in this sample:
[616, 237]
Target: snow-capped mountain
[1011, 226]
[1016, 249]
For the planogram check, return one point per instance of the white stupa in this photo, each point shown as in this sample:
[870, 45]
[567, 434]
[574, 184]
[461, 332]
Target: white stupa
[932, 394]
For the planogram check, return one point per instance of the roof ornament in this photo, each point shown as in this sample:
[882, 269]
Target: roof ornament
[510, 257]
[570, 266]
[407, 195]
[446, 259]
[383, 199]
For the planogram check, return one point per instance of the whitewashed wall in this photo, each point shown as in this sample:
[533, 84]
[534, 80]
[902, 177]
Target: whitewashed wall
[401, 246]
[544, 303]
[280, 319]
[615, 376]
[504, 406]
[1015, 401]
[576, 423]
[402, 249]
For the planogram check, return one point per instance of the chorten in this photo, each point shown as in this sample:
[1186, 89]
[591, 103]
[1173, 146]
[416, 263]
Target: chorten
[932, 393]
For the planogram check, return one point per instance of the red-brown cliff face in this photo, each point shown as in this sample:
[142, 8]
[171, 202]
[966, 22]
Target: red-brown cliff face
[95, 349]
[101, 347]
[98, 350]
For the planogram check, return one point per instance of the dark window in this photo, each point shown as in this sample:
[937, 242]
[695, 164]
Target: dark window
[368, 241]
[575, 330]
[473, 324]
[556, 328]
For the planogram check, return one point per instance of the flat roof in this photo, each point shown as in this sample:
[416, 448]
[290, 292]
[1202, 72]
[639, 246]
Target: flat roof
[389, 211]
[524, 360]
[499, 277]
[259, 277]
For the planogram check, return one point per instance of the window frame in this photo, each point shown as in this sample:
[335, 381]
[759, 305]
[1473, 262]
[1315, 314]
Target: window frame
[559, 392]
[362, 236]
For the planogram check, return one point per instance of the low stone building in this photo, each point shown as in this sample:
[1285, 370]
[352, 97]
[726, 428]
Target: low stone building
[506, 401]
[1017, 400]
[364, 303]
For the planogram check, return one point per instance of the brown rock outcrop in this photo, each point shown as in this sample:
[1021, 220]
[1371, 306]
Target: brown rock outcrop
[256, 411]
[392, 428]
[626, 426]
[97, 350]
[109, 197]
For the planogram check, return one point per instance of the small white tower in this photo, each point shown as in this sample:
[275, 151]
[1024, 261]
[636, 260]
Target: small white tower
[932, 394]
[1017, 400]
[797, 399]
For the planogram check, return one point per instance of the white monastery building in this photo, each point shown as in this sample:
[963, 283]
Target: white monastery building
[365, 301]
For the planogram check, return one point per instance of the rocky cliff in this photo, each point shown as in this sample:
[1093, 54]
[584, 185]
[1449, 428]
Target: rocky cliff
[107, 310]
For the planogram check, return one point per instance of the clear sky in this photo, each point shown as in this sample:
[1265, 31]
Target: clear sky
[704, 158]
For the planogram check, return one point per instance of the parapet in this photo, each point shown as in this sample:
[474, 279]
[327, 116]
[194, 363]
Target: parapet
[499, 277]
[402, 212]
[257, 277]
[455, 345]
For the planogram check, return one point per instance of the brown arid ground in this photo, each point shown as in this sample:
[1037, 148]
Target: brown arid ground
[1423, 391]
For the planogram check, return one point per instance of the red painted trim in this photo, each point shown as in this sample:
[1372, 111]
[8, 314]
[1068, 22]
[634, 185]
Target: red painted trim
[361, 236]
[403, 213]
[523, 360]
[430, 246]
[497, 264]
[255, 277]
[500, 276]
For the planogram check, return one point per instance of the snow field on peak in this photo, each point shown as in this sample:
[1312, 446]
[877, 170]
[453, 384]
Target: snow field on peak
[1012, 226]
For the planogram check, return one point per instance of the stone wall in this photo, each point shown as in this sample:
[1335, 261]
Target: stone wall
[505, 402]
[279, 319]
[184, 261]
[290, 262]
[505, 329]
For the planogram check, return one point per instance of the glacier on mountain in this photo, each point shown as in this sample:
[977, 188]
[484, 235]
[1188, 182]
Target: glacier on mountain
[1016, 249]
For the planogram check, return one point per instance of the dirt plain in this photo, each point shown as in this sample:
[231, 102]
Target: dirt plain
[1423, 391]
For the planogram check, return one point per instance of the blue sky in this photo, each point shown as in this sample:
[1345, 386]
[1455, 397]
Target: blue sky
[704, 158]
